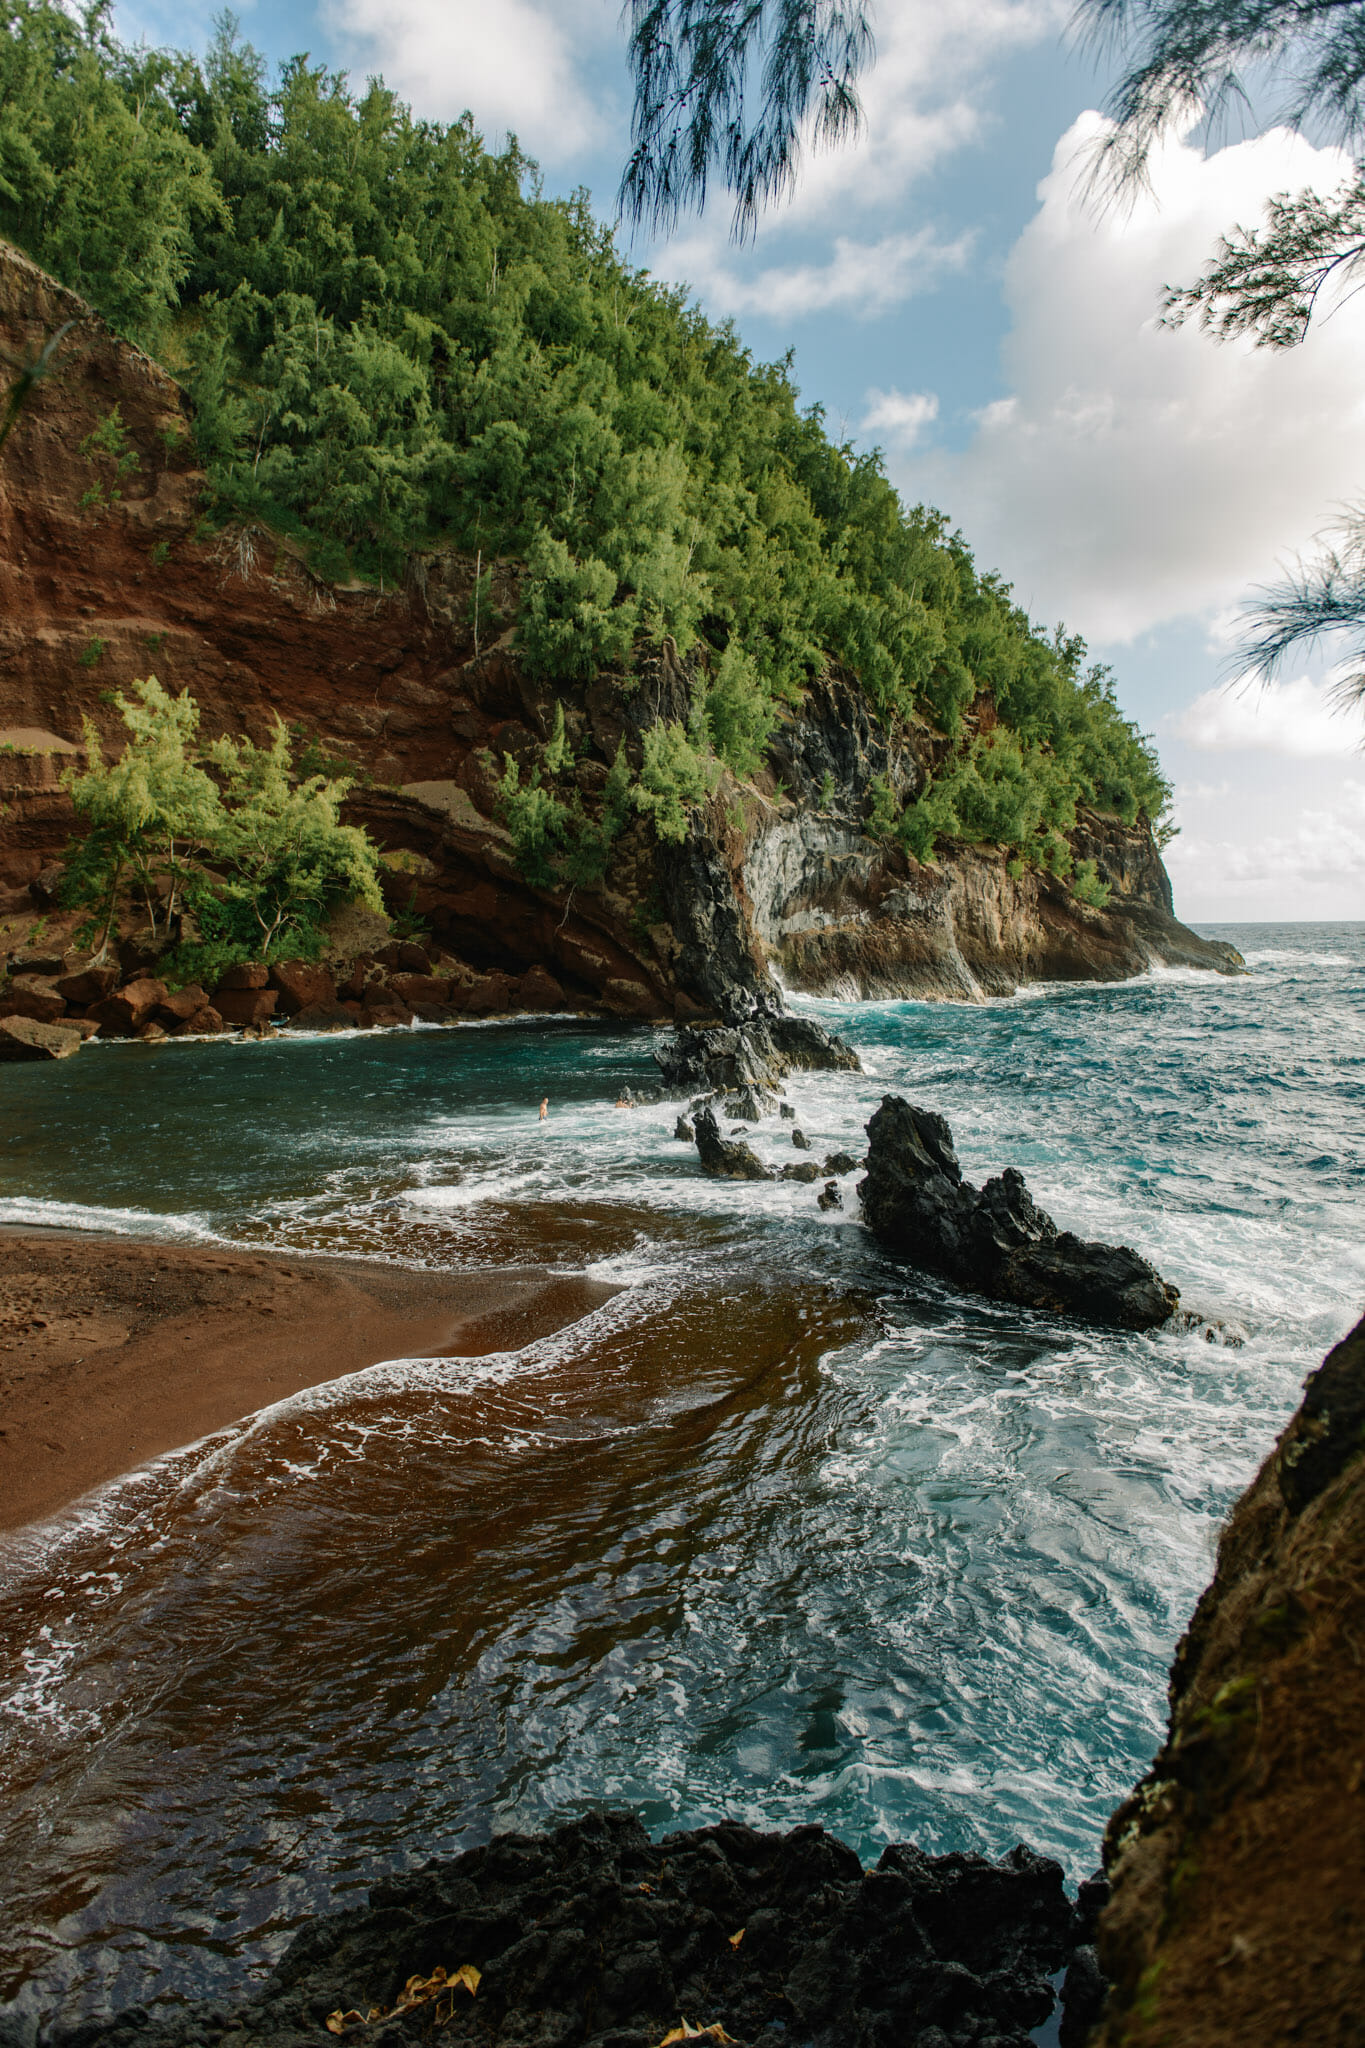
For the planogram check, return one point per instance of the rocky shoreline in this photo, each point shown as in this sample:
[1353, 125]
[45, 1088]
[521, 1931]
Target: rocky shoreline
[54, 997]
[594, 1936]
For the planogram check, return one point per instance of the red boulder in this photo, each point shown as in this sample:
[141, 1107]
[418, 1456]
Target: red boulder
[26, 996]
[245, 1005]
[251, 974]
[123, 1014]
[301, 985]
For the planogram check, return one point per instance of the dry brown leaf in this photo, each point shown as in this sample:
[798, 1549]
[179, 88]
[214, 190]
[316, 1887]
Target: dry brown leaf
[736, 1939]
[418, 1990]
[685, 2031]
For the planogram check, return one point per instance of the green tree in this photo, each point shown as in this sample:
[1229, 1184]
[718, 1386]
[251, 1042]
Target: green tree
[673, 775]
[151, 814]
[284, 853]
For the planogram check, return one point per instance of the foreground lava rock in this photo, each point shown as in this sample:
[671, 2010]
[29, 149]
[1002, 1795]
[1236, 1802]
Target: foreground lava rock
[994, 1240]
[596, 1937]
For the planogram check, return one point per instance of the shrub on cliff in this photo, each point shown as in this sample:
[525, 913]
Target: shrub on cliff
[151, 814]
[229, 831]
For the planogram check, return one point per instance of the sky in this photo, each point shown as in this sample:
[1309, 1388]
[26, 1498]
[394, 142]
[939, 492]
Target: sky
[949, 293]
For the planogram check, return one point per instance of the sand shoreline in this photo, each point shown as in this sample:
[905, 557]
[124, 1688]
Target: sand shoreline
[114, 1350]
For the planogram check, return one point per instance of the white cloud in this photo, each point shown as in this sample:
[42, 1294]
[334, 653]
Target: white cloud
[864, 278]
[1322, 852]
[899, 416]
[1299, 718]
[517, 65]
[1136, 475]
[925, 98]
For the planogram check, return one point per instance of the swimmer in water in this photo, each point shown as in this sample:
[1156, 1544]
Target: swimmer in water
[544, 1107]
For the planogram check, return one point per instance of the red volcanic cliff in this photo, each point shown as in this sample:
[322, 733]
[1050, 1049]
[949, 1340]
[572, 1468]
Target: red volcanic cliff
[109, 572]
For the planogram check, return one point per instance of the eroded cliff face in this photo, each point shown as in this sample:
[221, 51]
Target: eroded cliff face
[1238, 1864]
[839, 913]
[109, 573]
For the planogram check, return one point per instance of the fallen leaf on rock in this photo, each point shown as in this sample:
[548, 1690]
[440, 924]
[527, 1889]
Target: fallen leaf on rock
[418, 1990]
[736, 1939]
[685, 2031]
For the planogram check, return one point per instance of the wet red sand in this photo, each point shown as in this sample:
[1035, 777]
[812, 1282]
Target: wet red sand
[112, 1351]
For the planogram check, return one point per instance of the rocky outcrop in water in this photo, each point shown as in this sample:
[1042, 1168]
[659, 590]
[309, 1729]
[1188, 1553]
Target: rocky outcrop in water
[1238, 1864]
[994, 1240]
[758, 1055]
[725, 1158]
[596, 1937]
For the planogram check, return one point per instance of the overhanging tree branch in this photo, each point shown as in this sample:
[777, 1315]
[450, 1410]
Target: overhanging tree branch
[724, 89]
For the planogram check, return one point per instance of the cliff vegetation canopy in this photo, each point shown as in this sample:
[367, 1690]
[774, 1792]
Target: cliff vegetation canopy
[393, 342]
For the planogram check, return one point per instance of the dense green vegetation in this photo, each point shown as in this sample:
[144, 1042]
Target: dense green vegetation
[230, 832]
[393, 342]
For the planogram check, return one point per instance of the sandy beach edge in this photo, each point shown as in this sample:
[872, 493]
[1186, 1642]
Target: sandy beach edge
[114, 1350]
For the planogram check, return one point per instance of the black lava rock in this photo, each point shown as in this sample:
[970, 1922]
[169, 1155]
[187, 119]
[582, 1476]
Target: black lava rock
[759, 1054]
[595, 1937]
[995, 1240]
[721, 1157]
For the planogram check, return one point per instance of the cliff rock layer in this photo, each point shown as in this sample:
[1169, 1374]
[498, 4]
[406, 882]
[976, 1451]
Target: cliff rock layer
[1238, 1864]
[108, 572]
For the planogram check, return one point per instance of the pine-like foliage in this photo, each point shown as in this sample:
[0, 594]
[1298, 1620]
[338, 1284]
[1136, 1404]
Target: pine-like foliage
[699, 66]
[1199, 53]
[392, 342]
[1268, 282]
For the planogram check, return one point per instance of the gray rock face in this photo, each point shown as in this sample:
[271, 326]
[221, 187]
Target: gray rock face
[995, 1240]
[718, 960]
[757, 1055]
[721, 1157]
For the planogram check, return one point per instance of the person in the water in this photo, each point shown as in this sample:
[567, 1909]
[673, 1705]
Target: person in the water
[544, 1107]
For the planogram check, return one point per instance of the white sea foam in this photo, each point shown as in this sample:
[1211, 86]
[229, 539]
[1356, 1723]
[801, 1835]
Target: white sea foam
[35, 1213]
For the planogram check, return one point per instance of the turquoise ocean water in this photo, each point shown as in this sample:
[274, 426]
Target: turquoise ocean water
[781, 1531]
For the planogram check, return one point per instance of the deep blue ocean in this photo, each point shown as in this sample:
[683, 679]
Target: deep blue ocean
[781, 1532]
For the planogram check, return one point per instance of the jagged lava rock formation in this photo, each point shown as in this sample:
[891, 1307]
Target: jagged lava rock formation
[393, 683]
[1238, 1864]
[994, 1240]
[595, 1937]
